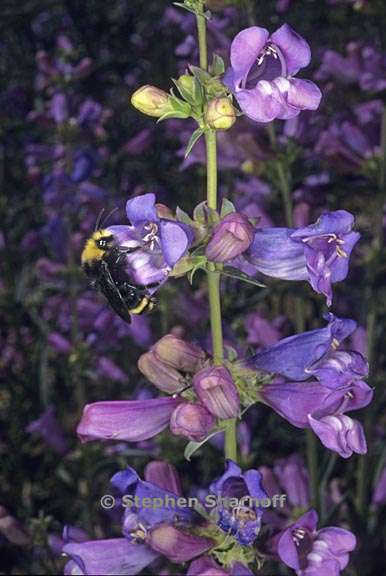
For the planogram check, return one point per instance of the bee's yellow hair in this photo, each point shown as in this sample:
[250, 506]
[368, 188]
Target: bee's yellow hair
[91, 251]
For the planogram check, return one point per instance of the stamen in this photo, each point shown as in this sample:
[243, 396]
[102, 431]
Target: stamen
[334, 344]
[341, 252]
[298, 535]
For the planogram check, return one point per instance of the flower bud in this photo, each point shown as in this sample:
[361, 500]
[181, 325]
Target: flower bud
[192, 421]
[163, 376]
[151, 100]
[179, 354]
[231, 237]
[186, 81]
[220, 114]
[215, 388]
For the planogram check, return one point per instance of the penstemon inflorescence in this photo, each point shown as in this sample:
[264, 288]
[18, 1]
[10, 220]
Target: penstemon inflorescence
[310, 378]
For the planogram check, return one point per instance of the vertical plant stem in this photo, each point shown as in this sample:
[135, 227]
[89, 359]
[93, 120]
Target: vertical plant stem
[214, 274]
[201, 28]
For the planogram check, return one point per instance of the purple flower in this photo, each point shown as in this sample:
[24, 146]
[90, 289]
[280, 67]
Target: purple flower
[154, 525]
[192, 421]
[314, 353]
[379, 495]
[318, 253]
[231, 237]
[50, 430]
[340, 433]
[12, 529]
[242, 521]
[130, 420]
[157, 243]
[115, 556]
[293, 477]
[128, 483]
[262, 74]
[313, 405]
[215, 388]
[176, 545]
[312, 552]
[260, 330]
[179, 354]
[319, 403]
[163, 376]
[205, 566]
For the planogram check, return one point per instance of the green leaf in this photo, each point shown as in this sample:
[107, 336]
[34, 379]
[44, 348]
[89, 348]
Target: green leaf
[179, 105]
[184, 7]
[198, 93]
[183, 216]
[227, 207]
[202, 75]
[173, 114]
[217, 67]
[235, 273]
[192, 446]
[192, 141]
[186, 94]
[200, 264]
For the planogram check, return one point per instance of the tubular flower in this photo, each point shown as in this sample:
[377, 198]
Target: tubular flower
[318, 253]
[174, 530]
[154, 244]
[329, 384]
[312, 552]
[231, 237]
[262, 71]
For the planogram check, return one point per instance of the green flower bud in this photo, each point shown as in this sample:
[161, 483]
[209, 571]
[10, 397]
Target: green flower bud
[186, 82]
[151, 100]
[220, 114]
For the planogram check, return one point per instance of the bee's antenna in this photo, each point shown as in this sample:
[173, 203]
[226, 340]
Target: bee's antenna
[99, 224]
[98, 221]
[108, 216]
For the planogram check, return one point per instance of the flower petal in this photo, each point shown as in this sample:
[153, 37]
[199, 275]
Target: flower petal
[262, 103]
[133, 421]
[142, 208]
[295, 49]
[176, 545]
[174, 240]
[303, 94]
[116, 556]
[274, 253]
[245, 48]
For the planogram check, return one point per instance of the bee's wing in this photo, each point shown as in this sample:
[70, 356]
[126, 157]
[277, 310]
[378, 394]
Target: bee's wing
[112, 294]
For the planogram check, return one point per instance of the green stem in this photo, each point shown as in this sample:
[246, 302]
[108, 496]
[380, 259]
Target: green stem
[285, 194]
[201, 28]
[213, 274]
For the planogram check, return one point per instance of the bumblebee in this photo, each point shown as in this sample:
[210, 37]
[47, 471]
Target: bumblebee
[105, 263]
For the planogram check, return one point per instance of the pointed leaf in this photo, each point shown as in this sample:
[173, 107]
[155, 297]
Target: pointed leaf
[238, 275]
[227, 207]
[217, 67]
[192, 446]
[192, 140]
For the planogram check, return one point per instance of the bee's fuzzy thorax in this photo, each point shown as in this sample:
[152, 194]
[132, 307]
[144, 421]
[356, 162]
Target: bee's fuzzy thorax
[91, 252]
